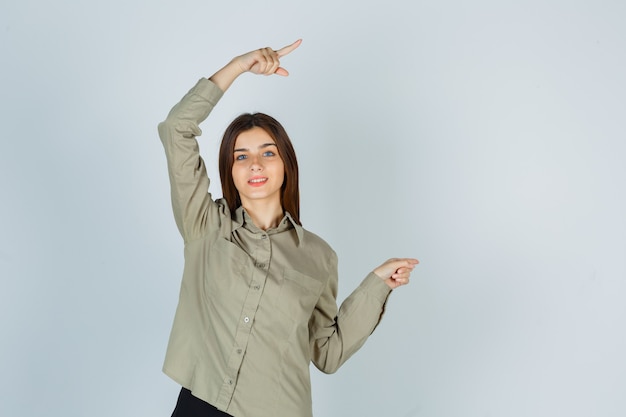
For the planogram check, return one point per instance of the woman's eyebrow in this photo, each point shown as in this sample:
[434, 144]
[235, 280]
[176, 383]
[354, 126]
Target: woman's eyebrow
[265, 145]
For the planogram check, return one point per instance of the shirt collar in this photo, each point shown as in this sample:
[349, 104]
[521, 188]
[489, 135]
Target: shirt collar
[242, 219]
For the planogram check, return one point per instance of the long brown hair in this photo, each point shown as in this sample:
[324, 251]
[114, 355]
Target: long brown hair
[290, 191]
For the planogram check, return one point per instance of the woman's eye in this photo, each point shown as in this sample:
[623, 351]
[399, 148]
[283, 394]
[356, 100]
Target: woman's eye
[240, 157]
[268, 153]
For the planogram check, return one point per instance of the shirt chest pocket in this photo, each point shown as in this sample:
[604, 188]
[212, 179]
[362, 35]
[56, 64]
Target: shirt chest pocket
[298, 295]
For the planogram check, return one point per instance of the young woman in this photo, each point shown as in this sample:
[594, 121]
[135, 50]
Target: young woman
[258, 295]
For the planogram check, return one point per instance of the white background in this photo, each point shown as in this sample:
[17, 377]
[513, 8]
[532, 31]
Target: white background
[485, 138]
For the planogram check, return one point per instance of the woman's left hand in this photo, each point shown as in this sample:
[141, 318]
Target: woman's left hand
[396, 271]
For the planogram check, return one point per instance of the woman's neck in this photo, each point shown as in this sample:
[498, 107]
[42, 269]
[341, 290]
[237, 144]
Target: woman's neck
[264, 216]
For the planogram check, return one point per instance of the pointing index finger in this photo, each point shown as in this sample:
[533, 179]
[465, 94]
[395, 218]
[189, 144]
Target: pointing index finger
[287, 49]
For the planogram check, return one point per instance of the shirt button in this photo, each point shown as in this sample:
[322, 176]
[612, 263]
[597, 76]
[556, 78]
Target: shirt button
[230, 382]
[246, 319]
[263, 236]
[261, 266]
[257, 287]
[239, 351]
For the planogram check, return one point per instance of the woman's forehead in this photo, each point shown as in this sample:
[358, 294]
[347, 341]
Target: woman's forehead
[253, 138]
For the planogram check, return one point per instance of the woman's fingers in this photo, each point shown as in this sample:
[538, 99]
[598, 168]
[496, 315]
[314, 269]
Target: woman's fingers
[265, 62]
[288, 49]
[285, 51]
[402, 273]
[395, 266]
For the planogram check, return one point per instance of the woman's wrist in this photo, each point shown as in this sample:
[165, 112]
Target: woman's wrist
[227, 75]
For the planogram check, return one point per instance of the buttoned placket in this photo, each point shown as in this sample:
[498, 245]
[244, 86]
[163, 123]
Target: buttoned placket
[262, 256]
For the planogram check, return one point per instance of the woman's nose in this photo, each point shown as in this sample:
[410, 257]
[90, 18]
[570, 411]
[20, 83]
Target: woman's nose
[255, 163]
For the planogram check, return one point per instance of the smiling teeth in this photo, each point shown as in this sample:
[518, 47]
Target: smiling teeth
[258, 180]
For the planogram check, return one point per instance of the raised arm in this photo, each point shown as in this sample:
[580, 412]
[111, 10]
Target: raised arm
[194, 210]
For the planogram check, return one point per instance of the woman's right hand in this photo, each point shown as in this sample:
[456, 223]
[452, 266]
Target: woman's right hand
[265, 61]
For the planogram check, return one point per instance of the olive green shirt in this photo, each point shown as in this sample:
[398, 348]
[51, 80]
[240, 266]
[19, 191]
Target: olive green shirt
[256, 306]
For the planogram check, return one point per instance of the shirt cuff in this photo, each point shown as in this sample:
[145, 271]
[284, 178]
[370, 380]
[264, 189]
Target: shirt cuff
[208, 90]
[375, 286]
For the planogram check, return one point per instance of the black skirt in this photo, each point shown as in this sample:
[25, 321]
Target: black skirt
[190, 406]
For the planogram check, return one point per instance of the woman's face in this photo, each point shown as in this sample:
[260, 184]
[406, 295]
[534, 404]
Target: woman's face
[258, 170]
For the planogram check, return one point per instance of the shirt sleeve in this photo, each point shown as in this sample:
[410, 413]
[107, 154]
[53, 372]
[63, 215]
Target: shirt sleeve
[191, 201]
[336, 335]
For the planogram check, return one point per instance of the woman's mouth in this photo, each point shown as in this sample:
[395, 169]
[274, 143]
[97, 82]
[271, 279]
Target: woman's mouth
[257, 181]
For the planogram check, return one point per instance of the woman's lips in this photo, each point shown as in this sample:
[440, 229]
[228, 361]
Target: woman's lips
[257, 181]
